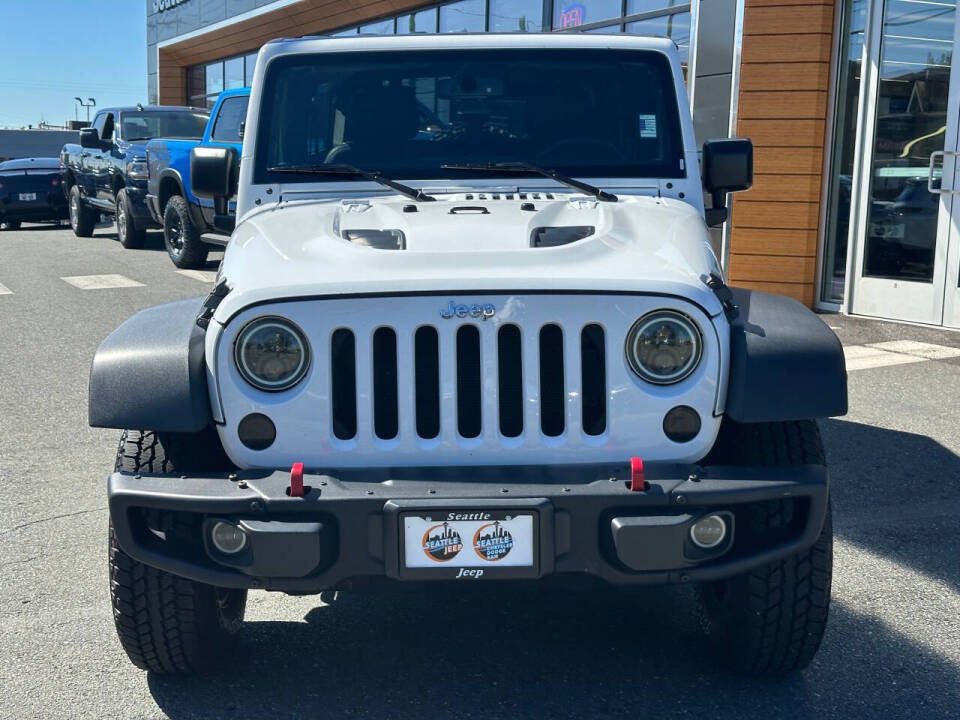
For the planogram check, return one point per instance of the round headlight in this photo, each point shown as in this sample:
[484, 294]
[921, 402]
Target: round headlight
[272, 354]
[664, 347]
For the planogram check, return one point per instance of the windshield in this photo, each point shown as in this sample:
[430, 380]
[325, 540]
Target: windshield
[146, 124]
[586, 113]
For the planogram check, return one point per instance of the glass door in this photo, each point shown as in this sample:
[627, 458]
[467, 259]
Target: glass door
[911, 101]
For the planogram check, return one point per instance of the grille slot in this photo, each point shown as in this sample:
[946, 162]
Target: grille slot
[385, 418]
[552, 420]
[593, 379]
[427, 382]
[343, 380]
[510, 376]
[468, 381]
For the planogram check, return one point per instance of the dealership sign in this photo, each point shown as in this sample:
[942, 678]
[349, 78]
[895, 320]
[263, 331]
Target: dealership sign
[160, 6]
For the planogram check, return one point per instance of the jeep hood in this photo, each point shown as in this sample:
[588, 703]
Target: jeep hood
[468, 243]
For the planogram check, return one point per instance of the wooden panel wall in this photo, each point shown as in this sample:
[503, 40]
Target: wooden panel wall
[784, 81]
[302, 18]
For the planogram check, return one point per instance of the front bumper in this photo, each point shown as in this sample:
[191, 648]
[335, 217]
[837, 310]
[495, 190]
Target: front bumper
[138, 203]
[344, 532]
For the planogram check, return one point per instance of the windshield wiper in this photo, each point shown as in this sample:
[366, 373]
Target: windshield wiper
[350, 171]
[522, 167]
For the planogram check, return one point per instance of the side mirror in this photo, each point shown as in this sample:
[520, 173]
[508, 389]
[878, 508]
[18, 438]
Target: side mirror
[214, 174]
[727, 167]
[89, 139]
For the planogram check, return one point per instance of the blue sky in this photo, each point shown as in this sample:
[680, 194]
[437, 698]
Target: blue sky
[53, 50]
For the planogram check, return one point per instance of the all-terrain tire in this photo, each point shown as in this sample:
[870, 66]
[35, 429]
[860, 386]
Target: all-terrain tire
[181, 237]
[82, 218]
[168, 624]
[129, 234]
[771, 620]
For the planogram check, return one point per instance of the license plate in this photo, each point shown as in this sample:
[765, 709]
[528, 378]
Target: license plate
[469, 544]
[28, 197]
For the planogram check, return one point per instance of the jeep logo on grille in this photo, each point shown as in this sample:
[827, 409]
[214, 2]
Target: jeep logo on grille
[476, 310]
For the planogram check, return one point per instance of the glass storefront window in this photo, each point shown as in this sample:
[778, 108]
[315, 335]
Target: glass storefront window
[249, 64]
[424, 21]
[571, 13]
[233, 73]
[463, 16]
[676, 27]
[846, 116]
[916, 52]
[516, 15]
[214, 78]
[382, 27]
[635, 7]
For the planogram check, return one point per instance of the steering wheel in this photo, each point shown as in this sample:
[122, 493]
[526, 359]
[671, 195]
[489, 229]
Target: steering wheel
[583, 142]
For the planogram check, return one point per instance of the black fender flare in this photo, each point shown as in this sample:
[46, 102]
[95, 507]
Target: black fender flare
[196, 215]
[785, 363]
[150, 374]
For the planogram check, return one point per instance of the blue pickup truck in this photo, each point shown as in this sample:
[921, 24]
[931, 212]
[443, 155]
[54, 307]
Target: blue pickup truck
[190, 224]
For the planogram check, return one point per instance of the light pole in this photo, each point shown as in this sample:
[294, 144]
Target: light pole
[89, 104]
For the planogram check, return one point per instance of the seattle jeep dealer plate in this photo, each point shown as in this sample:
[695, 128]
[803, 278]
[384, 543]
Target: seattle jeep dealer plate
[469, 543]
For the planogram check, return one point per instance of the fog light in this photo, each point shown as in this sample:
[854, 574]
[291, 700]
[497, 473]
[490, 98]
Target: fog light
[681, 424]
[227, 538]
[257, 431]
[708, 532]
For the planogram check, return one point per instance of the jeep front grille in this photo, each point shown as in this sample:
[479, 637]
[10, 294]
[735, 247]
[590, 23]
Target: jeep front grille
[506, 348]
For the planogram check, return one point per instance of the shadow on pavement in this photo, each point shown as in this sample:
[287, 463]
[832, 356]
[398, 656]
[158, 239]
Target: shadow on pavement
[628, 655]
[896, 494]
[491, 652]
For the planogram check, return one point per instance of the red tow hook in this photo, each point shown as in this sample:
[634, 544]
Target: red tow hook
[296, 480]
[637, 481]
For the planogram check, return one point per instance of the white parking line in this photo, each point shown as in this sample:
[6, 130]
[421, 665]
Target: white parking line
[201, 275]
[919, 349]
[860, 357]
[4, 290]
[101, 282]
[895, 352]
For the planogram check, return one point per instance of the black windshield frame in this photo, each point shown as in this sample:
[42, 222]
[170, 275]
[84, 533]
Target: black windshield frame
[599, 66]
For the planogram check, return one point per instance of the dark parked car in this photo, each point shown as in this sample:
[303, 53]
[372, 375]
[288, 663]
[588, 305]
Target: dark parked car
[30, 191]
[107, 171]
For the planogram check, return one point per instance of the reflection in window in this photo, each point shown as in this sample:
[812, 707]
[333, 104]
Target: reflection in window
[676, 27]
[915, 57]
[463, 16]
[214, 78]
[571, 13]
[233, 73]
[424, 21]
[641, 6]
[382, 27]
[844, 142]
[249, 64]
[516, 15]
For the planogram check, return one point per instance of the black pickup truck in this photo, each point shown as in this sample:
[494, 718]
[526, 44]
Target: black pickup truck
[107, 171]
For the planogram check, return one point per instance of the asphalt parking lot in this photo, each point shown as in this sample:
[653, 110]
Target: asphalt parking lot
[892, 648]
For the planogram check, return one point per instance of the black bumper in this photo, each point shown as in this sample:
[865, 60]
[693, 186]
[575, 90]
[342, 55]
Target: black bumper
[49, 206]
[342, 533]
[138, 203]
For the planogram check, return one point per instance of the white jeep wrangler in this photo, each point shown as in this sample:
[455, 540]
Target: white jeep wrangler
[469, 327]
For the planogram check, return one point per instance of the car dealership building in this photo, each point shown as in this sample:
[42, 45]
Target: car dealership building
[851, 105]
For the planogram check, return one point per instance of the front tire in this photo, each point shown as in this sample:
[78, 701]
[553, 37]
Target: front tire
[129, 235]
[181, 237]
[82, 218]
[168, 624]
[771, 620]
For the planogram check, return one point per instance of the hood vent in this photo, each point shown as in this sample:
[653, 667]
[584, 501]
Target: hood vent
[543, 237]
[377, 239]
[507, 196]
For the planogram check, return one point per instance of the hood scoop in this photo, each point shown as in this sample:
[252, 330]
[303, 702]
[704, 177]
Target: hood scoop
[544, 237]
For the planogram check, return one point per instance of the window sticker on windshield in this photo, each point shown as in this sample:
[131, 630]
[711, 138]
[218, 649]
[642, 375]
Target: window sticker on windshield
[648, 126]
